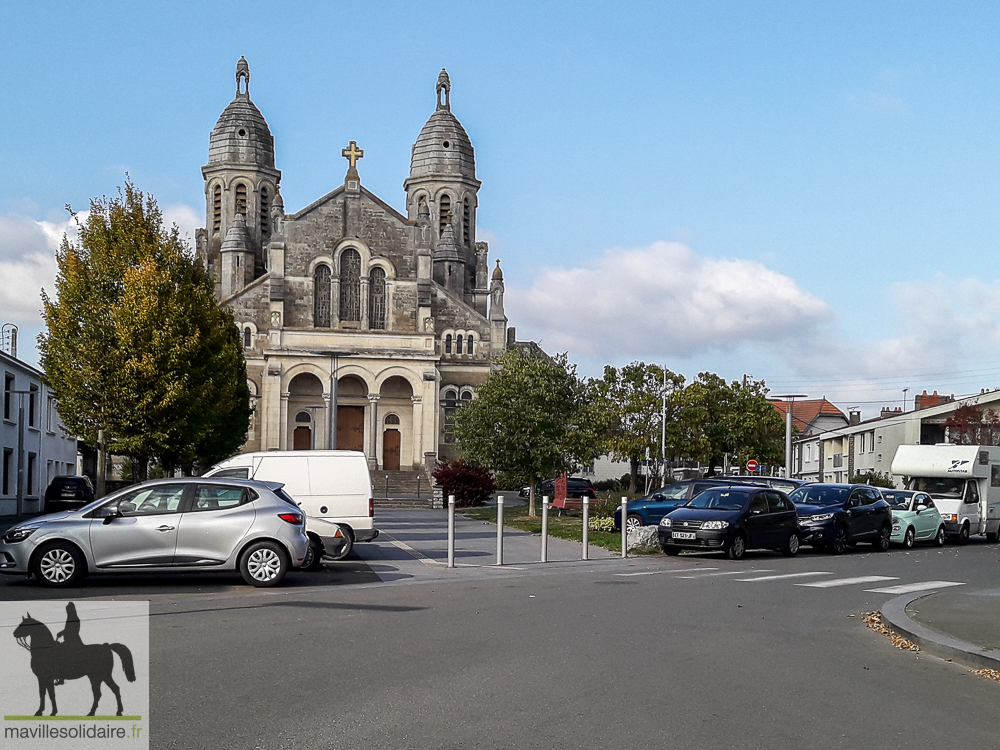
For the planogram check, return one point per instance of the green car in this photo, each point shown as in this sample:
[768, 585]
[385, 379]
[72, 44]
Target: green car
[914, 518]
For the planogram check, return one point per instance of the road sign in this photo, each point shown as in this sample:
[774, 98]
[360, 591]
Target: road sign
[752, 465]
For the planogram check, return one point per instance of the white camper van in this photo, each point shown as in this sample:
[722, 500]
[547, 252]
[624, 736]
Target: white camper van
[964, 481]
[334, 488]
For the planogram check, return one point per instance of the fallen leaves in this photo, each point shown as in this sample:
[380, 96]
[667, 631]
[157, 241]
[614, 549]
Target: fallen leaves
[989, 674]
[874, 621]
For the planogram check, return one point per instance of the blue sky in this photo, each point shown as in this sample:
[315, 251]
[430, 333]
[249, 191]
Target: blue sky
[804, 192]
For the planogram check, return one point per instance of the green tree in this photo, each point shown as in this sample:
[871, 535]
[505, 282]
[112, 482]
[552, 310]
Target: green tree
[136, 344]
[532, 418]
[874, 478]
[633, 397]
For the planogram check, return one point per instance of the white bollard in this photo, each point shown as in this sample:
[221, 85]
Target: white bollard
[586, 527]
[451, 531]
[624, 527]
[545, 528]
[500, 530]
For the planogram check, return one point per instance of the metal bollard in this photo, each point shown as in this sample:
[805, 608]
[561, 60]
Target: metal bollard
[451, 531]
[624, 527]
[586, 527]
[500, 530]
[545, 528]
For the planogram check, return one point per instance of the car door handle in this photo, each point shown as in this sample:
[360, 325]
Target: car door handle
[165, 528]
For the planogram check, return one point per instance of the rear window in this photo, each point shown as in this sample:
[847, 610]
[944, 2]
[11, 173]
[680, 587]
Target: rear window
[286, 497]
[817, 495]
[238, 473]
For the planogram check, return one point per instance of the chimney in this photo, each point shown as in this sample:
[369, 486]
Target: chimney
[511, 335]
[854, 417]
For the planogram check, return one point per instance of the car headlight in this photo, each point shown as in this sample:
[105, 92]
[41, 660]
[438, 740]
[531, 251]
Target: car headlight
[19, 533]
[820, 517]
[714, 525]
[665, 522]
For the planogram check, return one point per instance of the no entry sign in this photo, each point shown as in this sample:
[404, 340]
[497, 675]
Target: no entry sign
[752, 465]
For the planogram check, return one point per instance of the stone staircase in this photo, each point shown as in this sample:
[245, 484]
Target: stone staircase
[402, 489]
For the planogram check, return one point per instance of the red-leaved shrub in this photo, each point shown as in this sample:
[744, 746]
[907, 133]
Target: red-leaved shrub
[471, 485]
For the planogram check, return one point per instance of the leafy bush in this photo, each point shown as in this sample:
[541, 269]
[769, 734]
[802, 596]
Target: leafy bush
[471, 485]
[874, 478]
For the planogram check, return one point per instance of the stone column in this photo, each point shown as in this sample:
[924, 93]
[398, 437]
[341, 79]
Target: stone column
[335, 303]
[283, 422]
[322, 439]
[417, 437]
[373, 453]
[364, 303]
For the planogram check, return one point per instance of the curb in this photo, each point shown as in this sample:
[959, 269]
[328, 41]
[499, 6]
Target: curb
[937, 644]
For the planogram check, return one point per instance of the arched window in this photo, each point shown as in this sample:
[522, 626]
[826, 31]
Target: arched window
[458, 344]
[466, 396]
[376, 299]
[265, 214]
[445, 215]
[447, 344]
[466, 222]
[391, 419]
[350, 285]
[247, 337]
[303, 417]
[217, 209]
[449, 405]
[241, 199]
[321, 297]
[469, 349]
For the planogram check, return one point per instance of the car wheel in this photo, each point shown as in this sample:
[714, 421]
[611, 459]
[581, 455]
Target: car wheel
[633, 522]
[839, 544]
[963, 535]
[881, 543]
[314, 557]
[791, 548]
[908, 538]
[347, 548]
[263, 564]
[671, 550]
[59, 565]
[939, 537]
[738, 547]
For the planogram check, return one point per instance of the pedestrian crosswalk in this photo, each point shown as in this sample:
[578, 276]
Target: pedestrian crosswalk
[847, 581]
[820, 579]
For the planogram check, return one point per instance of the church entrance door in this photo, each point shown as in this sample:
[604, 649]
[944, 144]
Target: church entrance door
[302, 439]
[390, 450]
[351, 428]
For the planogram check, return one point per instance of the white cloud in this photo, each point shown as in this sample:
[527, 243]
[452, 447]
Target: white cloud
[663, 300]
[27, 264]
[186, 218]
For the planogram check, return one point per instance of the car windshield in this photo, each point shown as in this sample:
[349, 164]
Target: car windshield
[937, 486]
[820, 495]
[897, 499]
[722, 498]
[672, 491]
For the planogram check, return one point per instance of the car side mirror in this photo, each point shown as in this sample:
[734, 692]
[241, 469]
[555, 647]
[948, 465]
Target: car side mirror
[658, 497]
[921, 508]
[756, 512]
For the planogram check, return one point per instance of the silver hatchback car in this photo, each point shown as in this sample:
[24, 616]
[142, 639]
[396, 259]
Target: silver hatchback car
[179, 525]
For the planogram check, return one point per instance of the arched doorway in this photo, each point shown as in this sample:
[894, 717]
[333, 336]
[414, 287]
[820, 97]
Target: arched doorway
[302, 437]
[391, 443]
[306, 409]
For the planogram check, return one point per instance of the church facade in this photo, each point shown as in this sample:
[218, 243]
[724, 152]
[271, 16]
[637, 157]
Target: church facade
[364, 327]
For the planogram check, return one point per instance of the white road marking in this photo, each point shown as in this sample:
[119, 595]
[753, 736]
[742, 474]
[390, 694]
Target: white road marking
[848, 581]
[906, 588]
[785, 575]
[410, 551]
[724, 573]
[658, 572]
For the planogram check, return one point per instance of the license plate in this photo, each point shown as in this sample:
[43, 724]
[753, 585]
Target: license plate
[683, 535]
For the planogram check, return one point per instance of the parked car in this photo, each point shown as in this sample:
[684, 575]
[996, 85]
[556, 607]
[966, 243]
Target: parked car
[732, 519]
[575, 487]
[914, 518]
[648, 510]
[833, 516]
[175, 525]
[68, 493]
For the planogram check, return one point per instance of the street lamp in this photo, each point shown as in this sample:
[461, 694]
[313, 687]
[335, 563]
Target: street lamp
[790, 398]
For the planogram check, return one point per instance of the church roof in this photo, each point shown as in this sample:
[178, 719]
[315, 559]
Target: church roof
[241, 134]
[443, 147]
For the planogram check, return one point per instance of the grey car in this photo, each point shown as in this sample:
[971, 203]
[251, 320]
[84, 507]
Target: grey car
[179, 525]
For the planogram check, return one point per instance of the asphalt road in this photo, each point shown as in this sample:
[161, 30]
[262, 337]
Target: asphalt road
[647, 652]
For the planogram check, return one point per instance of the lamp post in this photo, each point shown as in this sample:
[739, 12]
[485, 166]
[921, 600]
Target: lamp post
[904, 399]
[790, 398]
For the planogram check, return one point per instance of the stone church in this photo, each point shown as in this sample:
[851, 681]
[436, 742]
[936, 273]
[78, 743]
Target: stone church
[364, 327]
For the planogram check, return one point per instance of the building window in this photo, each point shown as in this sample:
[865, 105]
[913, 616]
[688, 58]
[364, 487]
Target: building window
[50, 414]
[30, 478]
[871, 442]
[458, 344]
[8, 468]
[32, 405]
[447, 344]
[8, 395]
[466, 396]
[469, 344]
[241, 200]
[350, 285]
[392, 419]
[247, 337]
[303, 417]
[466, 222]
[450, 406]
[376, 299]
[265, 214]
[445, 213]
[217, 209]
[321, 297]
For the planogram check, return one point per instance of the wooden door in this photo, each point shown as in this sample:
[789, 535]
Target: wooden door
[351, 428]
[390, 450]
[302, 439]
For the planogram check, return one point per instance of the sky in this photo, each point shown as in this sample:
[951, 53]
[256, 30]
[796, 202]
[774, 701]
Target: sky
[803, 192]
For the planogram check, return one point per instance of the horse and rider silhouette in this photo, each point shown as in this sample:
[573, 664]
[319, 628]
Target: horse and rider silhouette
[54, 661]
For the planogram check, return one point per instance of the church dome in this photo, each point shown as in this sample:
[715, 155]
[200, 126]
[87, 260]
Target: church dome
[443, 147]
[241, 135]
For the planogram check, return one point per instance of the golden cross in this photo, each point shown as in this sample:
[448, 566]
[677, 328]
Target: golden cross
[352, 153]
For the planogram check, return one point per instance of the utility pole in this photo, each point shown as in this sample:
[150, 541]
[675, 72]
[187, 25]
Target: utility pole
[790, 398]
[663, 431]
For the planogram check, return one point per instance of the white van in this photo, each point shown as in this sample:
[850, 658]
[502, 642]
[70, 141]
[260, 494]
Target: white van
[334, 488]
[964, 481]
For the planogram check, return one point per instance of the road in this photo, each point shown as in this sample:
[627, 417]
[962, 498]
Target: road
[695, 651]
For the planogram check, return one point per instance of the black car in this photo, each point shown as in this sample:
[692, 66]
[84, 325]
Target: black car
[732, 519]
[648, 510]
[68, 493]
[833, 516]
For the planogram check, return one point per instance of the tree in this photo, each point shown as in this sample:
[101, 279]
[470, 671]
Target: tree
[633, 396]
[874, 478]
[136, 344]
[471, 485]
[533, 417]
[970, 426]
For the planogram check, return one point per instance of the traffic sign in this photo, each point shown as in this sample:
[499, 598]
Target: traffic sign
[752, 465]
